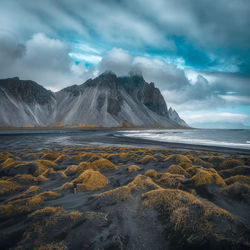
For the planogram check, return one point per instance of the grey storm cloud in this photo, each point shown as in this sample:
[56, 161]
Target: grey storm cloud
[208, 23]
[37, 37]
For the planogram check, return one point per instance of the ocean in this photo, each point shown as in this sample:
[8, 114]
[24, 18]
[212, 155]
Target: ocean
[38, 139]
[232, 138]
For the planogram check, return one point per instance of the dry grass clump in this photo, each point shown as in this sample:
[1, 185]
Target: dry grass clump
[75, 169]
[45, 196]
[52, 246]
[8, 163]
[151, 173]
[89, 180]
[29, 192]
[7, 187]
[177, 159]
[47, 225]
[140, 183]
[190, 220]
[216, 159]
[133, 168]
[86, 156]
[50, 156]
[62, 157]
[171, 180]
[176, 169]
[146, 159]
[240, 170]
[46, 163]
[192, 170]
[5, 155]
[207, 177]
[230, 163]
[102, 164]
[238, 178]
[26, 179]
[238, 191]
[9, 209]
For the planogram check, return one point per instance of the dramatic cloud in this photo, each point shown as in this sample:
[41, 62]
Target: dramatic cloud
[196, 52]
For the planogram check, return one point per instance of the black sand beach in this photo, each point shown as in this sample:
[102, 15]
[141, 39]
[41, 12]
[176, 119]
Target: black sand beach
[142, 195]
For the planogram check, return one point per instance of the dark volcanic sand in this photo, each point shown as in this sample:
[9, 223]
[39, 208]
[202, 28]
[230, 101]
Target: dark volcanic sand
[194, 200]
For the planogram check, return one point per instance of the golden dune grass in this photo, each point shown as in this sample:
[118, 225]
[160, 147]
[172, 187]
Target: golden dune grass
[140, 183]
[151, 173]
[102, 165]
[171, 180]
[230, 163]
[176, 169]
[238, 178]
[7, 187]
[146, 159]
[89, 180]
[133, 168]
[207, 177]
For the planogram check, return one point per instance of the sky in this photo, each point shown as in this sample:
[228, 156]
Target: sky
[196, 52]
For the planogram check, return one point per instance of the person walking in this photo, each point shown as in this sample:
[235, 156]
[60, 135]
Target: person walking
[74, 188]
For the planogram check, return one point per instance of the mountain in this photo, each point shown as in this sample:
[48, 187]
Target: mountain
[106, 101]
[173, 115]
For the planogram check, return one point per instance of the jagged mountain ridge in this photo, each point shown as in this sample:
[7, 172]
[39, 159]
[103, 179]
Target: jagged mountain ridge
[106, 101]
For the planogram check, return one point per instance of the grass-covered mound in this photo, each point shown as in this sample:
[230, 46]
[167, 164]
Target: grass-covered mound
[102, 165]
[151, 173]
[140, 183]
[238, 178]
[204, 177]
[237, 191]
[176, 169]
[193, 223]
[47, 226]
[133, 168]
[146, 159]
[89, 180]
[7, 187]
[171, 180]
[230, 163]
[240, 170]
[177, 159]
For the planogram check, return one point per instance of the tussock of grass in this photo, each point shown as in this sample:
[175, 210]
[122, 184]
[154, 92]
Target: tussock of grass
[230, 163]
[176, 169]
[190, 219]
[140, 183]
[146, 159]
[45, 196]
[47, 226]
[238, 178]
[62, 157]
[216, 159]
[102, 164]
[240, 170]
[75, 169]
[50, 156]
[207, 177]
[5, 155]
[89, 180]
[9, 209]
[238, 191]
[192, 170]
[151, 173]
[52, 246]
[8, 187]
[133, 168]
[171, 180]
[8, 163]
[177, 159]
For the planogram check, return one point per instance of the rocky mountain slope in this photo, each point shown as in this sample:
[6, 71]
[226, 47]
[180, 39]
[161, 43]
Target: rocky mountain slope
[107, 101]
